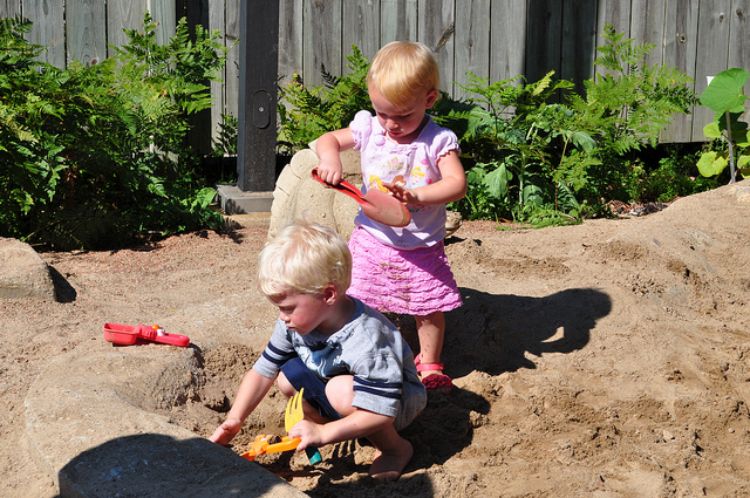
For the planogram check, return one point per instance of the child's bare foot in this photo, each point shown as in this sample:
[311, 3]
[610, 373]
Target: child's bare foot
[389, 465]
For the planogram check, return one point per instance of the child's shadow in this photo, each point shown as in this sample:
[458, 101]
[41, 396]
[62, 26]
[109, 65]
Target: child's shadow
[443, 429]
[493, 333]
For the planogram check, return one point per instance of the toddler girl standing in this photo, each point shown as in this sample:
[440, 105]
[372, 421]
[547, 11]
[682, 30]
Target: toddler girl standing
[404, 270]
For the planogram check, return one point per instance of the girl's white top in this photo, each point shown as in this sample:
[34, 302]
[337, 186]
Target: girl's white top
[384, 159]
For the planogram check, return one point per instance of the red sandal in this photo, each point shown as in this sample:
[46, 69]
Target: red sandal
[433, 382]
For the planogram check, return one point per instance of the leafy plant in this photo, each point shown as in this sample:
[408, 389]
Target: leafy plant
[544, 149]
[225, 143]
[96, 155]
[509, 130]
[626, 105]
[534, 151]
[724, 95]
[306, 113]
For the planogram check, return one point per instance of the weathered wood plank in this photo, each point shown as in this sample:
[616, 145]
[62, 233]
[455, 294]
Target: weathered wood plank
[86, 36]
[164, 12]
[680, 48]
[398, 20]
[10, 8]
[196, 14]
[290, 39]
[616, 13]
[472, 42]
[322, 40]
[122, 14]
[508, 39]
[543, 38]
[48, 29]
[360, 27]
[216, 22]
[713, 47]
[578, 41]
[739, 41]
[232, 69]
[647, 26]
[436, 28]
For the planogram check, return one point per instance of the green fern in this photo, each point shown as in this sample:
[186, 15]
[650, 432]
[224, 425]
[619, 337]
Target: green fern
[306, 113]
[96, 154]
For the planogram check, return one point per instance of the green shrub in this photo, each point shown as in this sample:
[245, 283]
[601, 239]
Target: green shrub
[668, 172]
[548, 153]
[726, 97]
[97, 156]
[628, 104]
[306, 113]
[511, 132]
[536, 152]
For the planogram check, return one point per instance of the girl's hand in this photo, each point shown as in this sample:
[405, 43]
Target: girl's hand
[226, 431]
[309, 433]
[398, 189]
[328, 147]
[451, 187]
[330, 171]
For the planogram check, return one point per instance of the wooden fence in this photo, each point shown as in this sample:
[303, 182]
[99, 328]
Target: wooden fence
[494, 39]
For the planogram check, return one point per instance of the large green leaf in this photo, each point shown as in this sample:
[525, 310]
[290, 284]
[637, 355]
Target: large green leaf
[711, 164]
[711, 130]
[497, 181]
[743, 164]
[724, 93]
[532, 194]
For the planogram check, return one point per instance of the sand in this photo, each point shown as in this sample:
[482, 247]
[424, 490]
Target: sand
[608, 359]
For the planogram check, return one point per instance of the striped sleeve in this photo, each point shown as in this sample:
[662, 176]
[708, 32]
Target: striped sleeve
[378, 386]
[277, 352]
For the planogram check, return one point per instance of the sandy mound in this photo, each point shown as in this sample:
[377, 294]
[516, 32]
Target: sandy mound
[606, 359]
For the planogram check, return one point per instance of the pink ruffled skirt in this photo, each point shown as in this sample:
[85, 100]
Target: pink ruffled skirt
[410, 282]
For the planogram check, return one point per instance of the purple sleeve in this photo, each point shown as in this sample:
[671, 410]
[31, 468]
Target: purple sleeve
[444, 142]
[361, 128]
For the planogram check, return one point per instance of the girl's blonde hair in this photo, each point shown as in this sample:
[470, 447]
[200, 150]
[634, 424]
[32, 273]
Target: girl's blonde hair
[304, 258]
[403, 69]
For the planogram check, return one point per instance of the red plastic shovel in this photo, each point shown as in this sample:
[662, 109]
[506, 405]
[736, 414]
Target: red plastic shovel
[377, 205]
[126, 335]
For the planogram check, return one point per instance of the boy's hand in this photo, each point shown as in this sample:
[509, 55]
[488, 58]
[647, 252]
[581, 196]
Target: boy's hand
[226, 431]
[310, 434]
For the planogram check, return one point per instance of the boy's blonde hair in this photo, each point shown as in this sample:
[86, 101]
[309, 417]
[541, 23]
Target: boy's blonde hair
[403, 69]
[304, 258]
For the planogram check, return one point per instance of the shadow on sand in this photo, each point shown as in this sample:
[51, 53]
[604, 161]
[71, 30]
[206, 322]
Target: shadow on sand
[159, 465]
[492, 333]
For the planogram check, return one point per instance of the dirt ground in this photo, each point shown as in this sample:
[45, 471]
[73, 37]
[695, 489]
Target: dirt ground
[610, 359]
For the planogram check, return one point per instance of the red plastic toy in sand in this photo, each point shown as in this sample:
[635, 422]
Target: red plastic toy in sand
[126, 335]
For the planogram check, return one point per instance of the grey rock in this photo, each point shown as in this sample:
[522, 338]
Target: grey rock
[88, 422]
[23, 273]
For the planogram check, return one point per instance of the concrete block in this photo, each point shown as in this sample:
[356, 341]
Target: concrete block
[235, 201]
